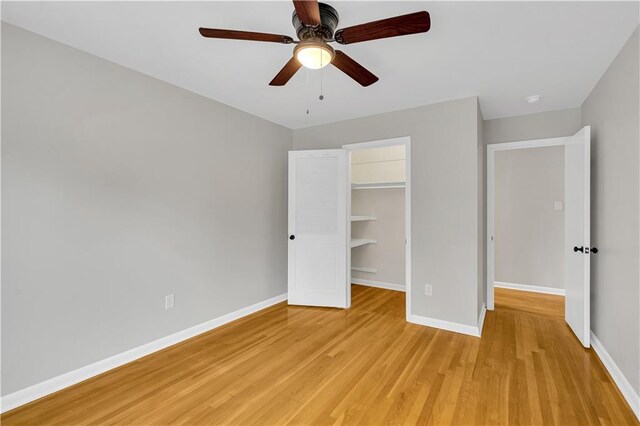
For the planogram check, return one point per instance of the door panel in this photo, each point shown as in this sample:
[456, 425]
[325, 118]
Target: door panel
[577, 178]
[318, 222]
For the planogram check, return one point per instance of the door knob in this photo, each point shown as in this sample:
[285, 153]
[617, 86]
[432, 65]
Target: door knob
[577, 249]
[292, 237]
[594, 250]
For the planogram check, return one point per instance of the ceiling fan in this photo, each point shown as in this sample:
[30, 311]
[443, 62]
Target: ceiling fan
[315, 25]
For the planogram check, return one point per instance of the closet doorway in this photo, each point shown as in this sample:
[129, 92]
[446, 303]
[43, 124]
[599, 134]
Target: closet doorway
[379, 209]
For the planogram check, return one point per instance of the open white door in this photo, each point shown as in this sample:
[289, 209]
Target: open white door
[318, 228]
[577, 238]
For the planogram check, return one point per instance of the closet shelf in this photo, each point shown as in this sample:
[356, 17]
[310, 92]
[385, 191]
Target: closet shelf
[357, 242]
[377, 185]
[363, 269]
[362, 218]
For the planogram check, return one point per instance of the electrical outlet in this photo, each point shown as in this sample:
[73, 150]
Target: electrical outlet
[557, 205]
[169, 301]
[428, 289]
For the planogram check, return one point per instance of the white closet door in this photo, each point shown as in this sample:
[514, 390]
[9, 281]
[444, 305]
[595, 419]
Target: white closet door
[318, 245]
[577, 240]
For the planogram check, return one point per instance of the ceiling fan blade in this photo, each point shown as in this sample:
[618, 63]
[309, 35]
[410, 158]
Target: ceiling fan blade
[285, 74]
[413, 23]
[353, 69]
[244, 35]
[308, 11]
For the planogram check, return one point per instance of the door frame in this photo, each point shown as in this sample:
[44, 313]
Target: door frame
[406, 141]
[490, 247]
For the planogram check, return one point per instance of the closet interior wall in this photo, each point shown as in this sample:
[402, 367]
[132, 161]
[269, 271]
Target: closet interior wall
[377, 208]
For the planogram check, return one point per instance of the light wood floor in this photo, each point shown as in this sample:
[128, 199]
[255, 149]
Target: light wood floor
[366, 365]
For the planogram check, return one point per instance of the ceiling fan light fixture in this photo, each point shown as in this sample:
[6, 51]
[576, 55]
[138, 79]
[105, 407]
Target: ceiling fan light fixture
[314, 54]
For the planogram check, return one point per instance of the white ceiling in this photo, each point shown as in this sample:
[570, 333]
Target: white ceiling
[499, 51]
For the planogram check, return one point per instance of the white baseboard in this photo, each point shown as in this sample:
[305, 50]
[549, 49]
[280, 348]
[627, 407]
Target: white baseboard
[378, 284]
[23, 396]
[445, 325]
[483, 312]
[633, 399]
[532, 288]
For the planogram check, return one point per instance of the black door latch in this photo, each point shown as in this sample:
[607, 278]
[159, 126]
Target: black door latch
[585, 250]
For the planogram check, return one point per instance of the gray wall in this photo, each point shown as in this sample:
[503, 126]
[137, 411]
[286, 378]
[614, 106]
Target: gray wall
[444, 173]
[529, 232]
[612, 112]
[387, 255]
[118, 189]
[542, 125]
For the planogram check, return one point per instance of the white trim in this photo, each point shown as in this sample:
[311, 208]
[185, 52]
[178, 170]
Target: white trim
[347, 195]
[446, 325]
[490, 250]
[531, 288]
[490, 213]
[630, 395]
[378, 284]
[407, 224]
[483, 313]
[406, 141]
[39, 390]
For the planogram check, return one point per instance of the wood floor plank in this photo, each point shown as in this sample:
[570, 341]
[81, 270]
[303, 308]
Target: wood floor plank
[362, 366]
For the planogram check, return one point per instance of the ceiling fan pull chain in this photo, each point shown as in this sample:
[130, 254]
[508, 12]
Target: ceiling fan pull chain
[307, 91]
[321, 97]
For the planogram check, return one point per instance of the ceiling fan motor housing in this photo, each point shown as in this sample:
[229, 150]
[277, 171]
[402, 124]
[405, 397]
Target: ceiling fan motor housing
[328, 23]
